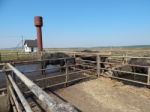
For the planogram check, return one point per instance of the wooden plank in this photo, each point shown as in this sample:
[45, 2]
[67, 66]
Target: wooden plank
[14, 99]
[20, 95]
[13, 105]
[50, 105]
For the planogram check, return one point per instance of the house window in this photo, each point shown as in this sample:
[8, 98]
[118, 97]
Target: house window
[32, 49]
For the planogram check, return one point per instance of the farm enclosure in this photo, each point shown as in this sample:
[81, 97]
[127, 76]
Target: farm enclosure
[57, 77]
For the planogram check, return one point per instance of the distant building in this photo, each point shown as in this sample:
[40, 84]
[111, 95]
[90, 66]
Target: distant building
[30, 46]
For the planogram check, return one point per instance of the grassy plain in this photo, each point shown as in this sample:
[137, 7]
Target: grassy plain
[12, 54]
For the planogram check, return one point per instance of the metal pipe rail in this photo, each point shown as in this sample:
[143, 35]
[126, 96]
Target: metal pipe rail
[31, 61]
[133, 65]
[87, 61]
[121, 71]
[2, 64]
[48, 102]
[129, 57]
[7, 70]
[125, 79]
[58, 67]
[61, 83]
[127, 64]
[129, 80]
[116, 63]
[50, 77]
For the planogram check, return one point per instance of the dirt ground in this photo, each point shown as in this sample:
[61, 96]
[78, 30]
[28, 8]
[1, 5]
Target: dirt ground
[106, 95]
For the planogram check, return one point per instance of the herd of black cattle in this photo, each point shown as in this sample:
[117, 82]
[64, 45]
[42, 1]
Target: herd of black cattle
[63, 59]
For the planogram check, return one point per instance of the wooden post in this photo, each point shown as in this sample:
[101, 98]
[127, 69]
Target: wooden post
[43, 67]
[0, 57]
[41, 54]
[74, 55]
[98, 65]
[126, 58]
[148, 76]
[66, 80]
[17, 56]
[123, 59]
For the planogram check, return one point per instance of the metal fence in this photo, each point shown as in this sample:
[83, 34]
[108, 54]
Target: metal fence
[20, 83]
[49, 104]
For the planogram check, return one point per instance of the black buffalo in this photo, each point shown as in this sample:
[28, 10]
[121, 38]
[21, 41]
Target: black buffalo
[58, 58]
[94, 58]
[141, 62]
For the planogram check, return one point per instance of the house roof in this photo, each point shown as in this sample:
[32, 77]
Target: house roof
[31, 43]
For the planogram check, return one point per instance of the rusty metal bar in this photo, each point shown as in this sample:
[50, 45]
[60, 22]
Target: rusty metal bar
[48, 102]
[20, 95]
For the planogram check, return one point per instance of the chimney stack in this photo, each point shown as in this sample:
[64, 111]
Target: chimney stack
[38, 22]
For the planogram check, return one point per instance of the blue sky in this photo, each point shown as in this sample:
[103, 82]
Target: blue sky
[76, 23]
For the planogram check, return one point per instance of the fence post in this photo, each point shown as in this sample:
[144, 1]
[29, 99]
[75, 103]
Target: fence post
[126, 58]
[98, 65]
[148, 76]
[66, 79]
[0, 57]
[17, 56]
[74, 55]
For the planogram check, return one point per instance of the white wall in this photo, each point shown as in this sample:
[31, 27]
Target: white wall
[35, 49]
[26, 48]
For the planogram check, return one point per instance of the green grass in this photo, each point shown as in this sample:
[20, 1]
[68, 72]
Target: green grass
[18, 55]
[15, 55]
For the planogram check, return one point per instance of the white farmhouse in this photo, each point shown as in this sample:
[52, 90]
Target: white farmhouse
[30, 46]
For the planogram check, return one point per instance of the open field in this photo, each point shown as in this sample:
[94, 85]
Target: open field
[10, 55]
[17, 55]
